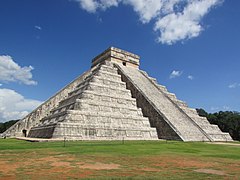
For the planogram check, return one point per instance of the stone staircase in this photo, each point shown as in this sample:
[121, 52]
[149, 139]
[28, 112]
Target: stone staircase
[98, 108]
[185, 121]
[211, 130]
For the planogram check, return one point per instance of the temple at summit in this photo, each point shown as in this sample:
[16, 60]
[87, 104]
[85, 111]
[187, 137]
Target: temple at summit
[115, 100]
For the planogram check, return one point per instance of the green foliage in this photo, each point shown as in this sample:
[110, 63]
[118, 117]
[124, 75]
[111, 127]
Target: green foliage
[227, 121]
[6, 125]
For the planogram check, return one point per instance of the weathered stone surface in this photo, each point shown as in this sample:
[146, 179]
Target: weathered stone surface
[99, 108]
[166, 112]
[115, 100]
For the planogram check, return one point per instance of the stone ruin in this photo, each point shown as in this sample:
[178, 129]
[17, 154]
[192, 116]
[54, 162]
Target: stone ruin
[115, 100]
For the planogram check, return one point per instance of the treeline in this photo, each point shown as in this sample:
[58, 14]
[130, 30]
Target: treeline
[227, 121]
[4, 126]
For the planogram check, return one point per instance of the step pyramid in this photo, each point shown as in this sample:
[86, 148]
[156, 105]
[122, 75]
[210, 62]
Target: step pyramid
[115, 100]
[99, 108]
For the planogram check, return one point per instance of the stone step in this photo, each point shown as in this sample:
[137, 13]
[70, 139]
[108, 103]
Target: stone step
[102, 121]
[86, 80]
[76, 132]
[85, 105]
[53, 118]
[94, 97]
[110, 82]
[63, 108]
[107, 68]
[108, 114]
[211, 128]
[180, 103]
[190, 111]
[172, 96]
[154, 80]
[116, 103]
[100, 81]
[68, 114]
[71, 99]
[108, 97]
[109, 126]
[221, 137]
[200, 138]
[101, 88]
[144, 73]
[98, 88]
[162, 88]
[79, 89]
[200, 120]
[108, 75]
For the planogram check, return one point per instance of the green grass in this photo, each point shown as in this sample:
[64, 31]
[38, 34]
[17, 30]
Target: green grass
[135, 160]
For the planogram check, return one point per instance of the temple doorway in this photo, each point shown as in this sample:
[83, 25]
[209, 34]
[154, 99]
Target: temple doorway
[24, 131]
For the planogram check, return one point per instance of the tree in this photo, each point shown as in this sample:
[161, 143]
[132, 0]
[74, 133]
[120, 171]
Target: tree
[4, 126]
[228, 121]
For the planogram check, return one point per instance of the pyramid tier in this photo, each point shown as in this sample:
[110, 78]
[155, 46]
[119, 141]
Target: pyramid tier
[98, 108]
[93, 96]
[101, 121]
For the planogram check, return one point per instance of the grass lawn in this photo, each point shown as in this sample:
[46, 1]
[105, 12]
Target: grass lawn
[115, 160]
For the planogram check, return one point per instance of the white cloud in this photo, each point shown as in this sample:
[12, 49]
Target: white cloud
[0, 84]
[175, 74]
[147, 9]
[175, 20]
[10, 71]
[88, 5]
[38, 27]
[190, 77]
[234, 85]
[91, 6]
[14, 106]
[183, 25]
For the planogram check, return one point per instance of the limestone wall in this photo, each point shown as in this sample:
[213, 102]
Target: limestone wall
[163, 129]
[33, 118]
[99, 108]
[177, 120]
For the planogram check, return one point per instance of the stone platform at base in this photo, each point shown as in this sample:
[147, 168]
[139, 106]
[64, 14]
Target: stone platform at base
[61, 139]
[38, 139]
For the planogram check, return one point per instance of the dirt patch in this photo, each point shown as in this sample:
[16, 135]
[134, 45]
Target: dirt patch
[166, 162]
[150, 169]
[99, 166]
[61, 164]
[8, 168]
[48, 159]
[54, 165]
[211, 171]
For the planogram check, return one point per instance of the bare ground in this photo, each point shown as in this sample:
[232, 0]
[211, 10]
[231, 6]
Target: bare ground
[50, 165]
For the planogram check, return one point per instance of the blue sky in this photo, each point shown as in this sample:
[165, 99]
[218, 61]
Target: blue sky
[191, 46]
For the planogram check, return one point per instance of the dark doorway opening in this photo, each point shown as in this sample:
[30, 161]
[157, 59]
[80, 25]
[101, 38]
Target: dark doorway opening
[24, 131]
[124, 63]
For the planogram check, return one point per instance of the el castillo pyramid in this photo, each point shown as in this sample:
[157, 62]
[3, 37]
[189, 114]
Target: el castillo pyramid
[115, 100]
